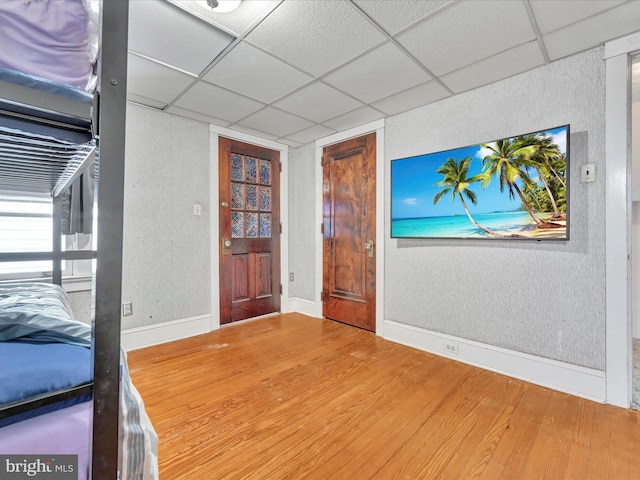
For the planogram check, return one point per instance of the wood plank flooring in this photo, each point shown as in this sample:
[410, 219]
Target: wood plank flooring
[294, 397]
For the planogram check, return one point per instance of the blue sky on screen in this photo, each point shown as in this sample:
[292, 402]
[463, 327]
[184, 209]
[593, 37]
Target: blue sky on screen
[413, 183]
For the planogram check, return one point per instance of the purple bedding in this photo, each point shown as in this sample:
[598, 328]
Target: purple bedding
[53, 40]
[61, 432]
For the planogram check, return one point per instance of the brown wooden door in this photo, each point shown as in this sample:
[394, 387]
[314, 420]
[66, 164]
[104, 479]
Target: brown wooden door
[349, 226]
[249, 230]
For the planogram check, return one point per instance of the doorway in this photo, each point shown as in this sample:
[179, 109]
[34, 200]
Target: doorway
[635, 226]
[349, 232]
[249, 230]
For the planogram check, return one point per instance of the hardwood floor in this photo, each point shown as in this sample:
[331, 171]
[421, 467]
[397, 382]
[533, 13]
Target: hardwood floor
[293, 397]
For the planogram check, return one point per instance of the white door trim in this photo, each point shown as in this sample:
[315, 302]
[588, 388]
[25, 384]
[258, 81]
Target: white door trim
[378, 128]
[618, 220]
[216, 132]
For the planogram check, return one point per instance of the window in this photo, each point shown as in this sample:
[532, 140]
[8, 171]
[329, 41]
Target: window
[25, 226]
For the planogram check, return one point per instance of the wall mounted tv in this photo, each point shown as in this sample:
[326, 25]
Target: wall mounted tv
[515, 188]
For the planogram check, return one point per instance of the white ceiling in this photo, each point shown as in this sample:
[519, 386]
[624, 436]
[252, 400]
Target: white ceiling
[297, 70]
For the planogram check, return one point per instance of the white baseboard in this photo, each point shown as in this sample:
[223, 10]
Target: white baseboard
[306, 307]
[575, 380]
[141, 337]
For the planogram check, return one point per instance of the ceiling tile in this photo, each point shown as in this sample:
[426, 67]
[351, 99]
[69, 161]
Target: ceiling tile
[255, 133]
[551, 16]
[593, 31]
[153, 80]
[132, 97]
[315, 36]
[275, 122]
[318, 102]
[197, 116]
[467, 32]
[503, 65]
[156, 30]
[399, 14]
[310, 134]
[211, 100]
[354, 119]
[256, 74]
[291, 143]
[382, 72]
[412, 98]
[235, 22]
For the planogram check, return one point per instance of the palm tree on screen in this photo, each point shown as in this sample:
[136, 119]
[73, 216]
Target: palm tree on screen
[545, 155]
[508, 160]
[457, 183]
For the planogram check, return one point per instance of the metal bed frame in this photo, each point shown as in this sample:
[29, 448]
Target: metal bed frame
[103, 121]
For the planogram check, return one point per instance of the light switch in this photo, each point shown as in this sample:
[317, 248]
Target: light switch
[587, 173]
[197, 209]
[127, 309]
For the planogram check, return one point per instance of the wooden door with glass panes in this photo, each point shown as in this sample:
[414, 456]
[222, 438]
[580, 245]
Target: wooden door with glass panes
[249, 230]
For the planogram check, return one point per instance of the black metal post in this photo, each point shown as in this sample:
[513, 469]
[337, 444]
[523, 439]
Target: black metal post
[108, 279]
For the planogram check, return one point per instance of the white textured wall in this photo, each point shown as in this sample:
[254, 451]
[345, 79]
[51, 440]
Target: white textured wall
[542, 298]
[166, 257]
[303, 231]
[81, 306]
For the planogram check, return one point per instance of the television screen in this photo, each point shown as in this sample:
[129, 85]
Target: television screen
[512, 188]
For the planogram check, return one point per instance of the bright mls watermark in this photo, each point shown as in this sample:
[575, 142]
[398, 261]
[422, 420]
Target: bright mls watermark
[49, 467]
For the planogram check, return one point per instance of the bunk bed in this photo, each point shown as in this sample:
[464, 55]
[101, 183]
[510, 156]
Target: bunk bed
[64, 385]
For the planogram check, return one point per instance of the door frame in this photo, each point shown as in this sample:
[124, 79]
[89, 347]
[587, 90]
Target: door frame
[215, 132]
[378, 128]
[619, 321]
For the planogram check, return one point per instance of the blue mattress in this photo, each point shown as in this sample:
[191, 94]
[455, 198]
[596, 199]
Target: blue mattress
[29, 369]
[42, 349]
[45, 85]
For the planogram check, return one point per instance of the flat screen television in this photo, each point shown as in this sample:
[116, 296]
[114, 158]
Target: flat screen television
[515, 188]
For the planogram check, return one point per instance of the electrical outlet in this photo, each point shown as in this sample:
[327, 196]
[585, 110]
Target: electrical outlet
[127, 309]
[451, 348]
[291, 276]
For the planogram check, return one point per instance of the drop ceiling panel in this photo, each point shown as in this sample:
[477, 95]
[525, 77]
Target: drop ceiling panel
[354, 118]
[591, 32]
[256, 74]
[198, 116]
[158, 30]
[310, 134]
[155, 81]
[303, 66]
[315, 36]
[382, 72]
[318, 102]
[212, 100]
[147, 102]
[412, 98]
[235, 22]
[399, 14]
[551, 16]
[467, 32]
[275, 122]
[256, 133]
[505, 64]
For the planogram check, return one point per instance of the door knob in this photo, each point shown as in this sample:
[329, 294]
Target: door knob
[226, 245]
[369, 247]
[224, 205]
